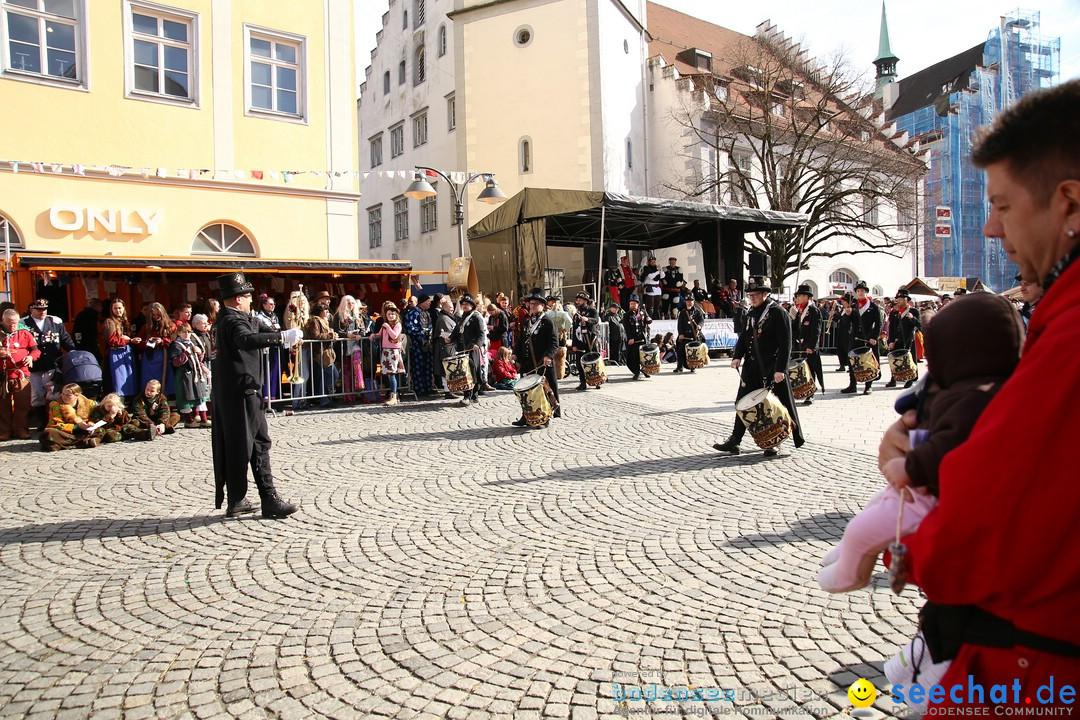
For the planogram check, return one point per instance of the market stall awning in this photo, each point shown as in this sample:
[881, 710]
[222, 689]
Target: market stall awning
[210, 263]
[537, 217]
[919, 287]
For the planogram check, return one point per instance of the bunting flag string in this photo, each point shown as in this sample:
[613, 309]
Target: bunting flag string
[280, 175]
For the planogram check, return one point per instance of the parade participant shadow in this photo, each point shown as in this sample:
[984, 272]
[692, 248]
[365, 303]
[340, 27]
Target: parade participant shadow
[634, 470]
[99, 528]
[823, 526]
[435, 436]
[723, 407]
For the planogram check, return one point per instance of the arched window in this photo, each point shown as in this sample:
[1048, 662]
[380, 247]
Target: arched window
[877, 291]
[401, 73]
[525, 158]
[420, 67]
[442, 40]
[9, 236]
[221, 238]
[843, 277]
[386, 82]
[405, 20]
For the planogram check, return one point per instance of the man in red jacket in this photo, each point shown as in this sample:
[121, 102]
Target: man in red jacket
[18, 351]
[998, 558]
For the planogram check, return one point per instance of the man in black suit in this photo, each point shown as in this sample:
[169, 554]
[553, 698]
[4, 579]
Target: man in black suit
[616, 343]
[765, 343]
[691, 319]
[239, 436]
[636, 326]
[583, 335]
[903, 322]
[805, 332]
[537, 346]
[866, 330]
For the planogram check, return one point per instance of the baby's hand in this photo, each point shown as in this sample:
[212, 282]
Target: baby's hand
[895, 473]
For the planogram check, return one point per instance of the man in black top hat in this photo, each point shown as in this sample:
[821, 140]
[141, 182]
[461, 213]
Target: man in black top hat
[536, 348]
[805, 332]
[616, 341]
[583, 335]
[470, 334]
[865, 332]
[904, 321]
[672, 286]
[636, 326]
[691, 318]
[239, 434]
[765, 344]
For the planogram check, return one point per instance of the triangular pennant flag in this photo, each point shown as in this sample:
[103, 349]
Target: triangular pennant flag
[146, 173]
[275, 175]
[364, 176]
[257, 174]
[287, 176]
[38, 167]
[162, 172]
[15, 167]
[193, 174]
[239, 174]
[78, 170]
[431, 173]
[58, 169]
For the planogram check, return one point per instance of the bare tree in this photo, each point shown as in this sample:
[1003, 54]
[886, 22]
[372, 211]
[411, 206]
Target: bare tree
[786, 134]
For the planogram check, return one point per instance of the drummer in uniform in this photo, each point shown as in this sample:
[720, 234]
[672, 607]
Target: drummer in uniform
[765, 343]
[691, 319]
[805, 332]
[536, 348]
[583, 335]
[865, 331]
[636, 326]
[903, 322]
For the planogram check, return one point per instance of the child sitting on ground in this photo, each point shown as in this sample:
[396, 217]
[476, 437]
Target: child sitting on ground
[69, 421]
[972, 348]
[118, 424]
[152, 412]
[503, 370]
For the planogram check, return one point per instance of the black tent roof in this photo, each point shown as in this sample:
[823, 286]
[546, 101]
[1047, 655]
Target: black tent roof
[924, 87]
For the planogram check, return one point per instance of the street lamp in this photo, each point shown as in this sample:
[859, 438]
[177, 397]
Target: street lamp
[421, 189]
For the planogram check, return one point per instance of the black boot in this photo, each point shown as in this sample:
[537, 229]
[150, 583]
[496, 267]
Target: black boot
[557, 413]
[582, 386]
[272, 504]
[891, 383]
[731, 445]
[866, 388]
[849, 389]
[908, 384]
[520, 422]
[808, 401]
[771, 452]
[240, 508]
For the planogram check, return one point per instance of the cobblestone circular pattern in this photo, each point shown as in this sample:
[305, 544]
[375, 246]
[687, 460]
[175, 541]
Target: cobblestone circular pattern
[443, 564]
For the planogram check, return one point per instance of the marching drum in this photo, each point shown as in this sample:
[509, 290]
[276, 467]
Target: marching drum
[765, 417]
[697, 355]
[902, 366]
[864, 364]
[801, 379]
[650, 358]
[537, 400]
[593, 365]
[458, 372]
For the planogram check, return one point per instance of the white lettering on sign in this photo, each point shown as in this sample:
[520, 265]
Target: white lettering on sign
[71, 218]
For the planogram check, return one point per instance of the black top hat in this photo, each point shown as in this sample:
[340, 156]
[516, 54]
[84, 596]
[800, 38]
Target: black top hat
[583, 296]
[232, 284]
[758, 283]
[903, 293]
[552, 298]
[467, 298]
[847, 298]
[804, 289]
[422, 298]
[535, 294]
[861, 285]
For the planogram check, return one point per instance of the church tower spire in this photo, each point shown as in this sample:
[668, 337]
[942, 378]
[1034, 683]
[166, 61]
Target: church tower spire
[885, 61]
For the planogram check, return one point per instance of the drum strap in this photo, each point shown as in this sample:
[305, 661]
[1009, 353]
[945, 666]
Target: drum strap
[947, 627]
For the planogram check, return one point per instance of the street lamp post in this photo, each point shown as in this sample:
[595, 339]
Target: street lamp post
[421, 189]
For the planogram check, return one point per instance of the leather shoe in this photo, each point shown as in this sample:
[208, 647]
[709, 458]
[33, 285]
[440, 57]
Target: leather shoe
[582, 386]
[520, 422]
[557, 413]
[274, 507]
[868, 389]
[849, 390]
[891, 383]
[728, 446]
[908, 384]
[808, 401]
[240, 508]
[771, 452]
[840, 369]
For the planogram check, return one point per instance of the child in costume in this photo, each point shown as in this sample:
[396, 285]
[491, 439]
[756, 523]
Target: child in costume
[118, 424]
[189, 367]
[152, 412]
[69, 422]
[972, 347]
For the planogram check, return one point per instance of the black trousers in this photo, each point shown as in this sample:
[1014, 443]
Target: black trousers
[478, 380]
[236, 483]
[680, 353]
[624, 298]
[814, 360]
[752, 381]
[633, 357]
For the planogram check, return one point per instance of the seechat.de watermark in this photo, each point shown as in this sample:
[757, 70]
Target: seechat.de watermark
[974, 699]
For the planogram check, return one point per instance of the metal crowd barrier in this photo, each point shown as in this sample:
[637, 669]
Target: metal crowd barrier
[285, 385]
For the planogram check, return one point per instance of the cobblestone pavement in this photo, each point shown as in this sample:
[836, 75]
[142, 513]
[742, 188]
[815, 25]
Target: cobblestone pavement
[445, 564]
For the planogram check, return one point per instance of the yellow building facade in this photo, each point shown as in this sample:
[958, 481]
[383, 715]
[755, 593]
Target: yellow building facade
[196, 129]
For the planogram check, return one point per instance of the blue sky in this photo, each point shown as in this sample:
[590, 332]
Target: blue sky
[922, 31]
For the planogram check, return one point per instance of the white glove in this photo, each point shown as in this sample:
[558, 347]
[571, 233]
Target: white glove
[291, 337]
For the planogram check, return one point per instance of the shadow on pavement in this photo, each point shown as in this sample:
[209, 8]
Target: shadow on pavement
[435, 436]
[98, 528]
[823, 526]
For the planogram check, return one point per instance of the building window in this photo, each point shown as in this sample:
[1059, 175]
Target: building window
[741, 161]
[419, 129]
[419, 13]
[842, 277]
[276, 75]
[401, 73]
[429, 221]
[629, 154]
[374, 226]
[401, 218]
[397, 140]
[451, 114]
[163, 58]
[442, 40]
[386, 82]
[870, 205]
[222, 239]
[44, 38]
[9, 236]
[376, 151]
[404, 19]
[525, 158]
[420, 66]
